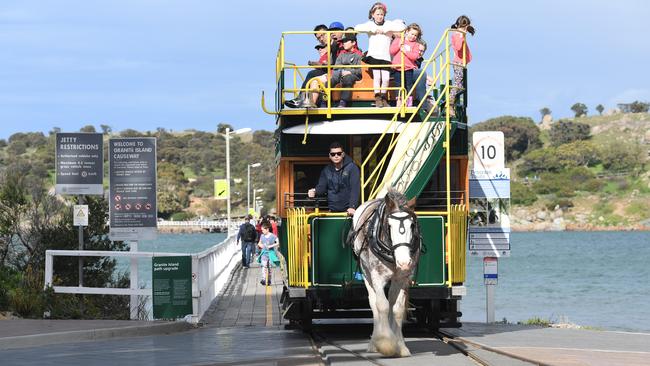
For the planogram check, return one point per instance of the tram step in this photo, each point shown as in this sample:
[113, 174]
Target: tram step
[342, 314]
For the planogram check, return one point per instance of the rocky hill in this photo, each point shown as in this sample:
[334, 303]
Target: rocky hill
[605, 187]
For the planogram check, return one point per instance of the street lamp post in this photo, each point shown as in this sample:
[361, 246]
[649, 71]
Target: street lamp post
[227, 137]
[248, 186]
[254, 199]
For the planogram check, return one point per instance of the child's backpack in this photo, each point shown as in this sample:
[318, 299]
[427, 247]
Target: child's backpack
[249, 233]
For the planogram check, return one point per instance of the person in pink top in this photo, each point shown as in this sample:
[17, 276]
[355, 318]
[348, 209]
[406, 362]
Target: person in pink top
[407, 49]
[462, 55]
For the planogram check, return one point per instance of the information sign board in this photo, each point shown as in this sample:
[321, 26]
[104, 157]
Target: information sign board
[80, 215]
[490, 270]
[79, 163]
[220, 189]
[489, 214]
[172, 287]
[132, 193]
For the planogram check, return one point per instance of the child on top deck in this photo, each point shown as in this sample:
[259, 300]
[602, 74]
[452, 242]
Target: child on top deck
[267, 244]
[462, 56]
[350, 55]
[408, 50]
[380, 33]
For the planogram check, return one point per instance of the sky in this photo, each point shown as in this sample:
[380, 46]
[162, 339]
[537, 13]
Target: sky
[191, 64]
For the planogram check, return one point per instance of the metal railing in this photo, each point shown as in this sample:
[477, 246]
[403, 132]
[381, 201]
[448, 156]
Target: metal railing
[210, 272]
[327, 88]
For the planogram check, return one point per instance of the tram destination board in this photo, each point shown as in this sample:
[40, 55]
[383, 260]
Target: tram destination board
[172, 287]
[132, 193]
[79, 163]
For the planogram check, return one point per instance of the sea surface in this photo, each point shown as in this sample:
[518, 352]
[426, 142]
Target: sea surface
[596, 279]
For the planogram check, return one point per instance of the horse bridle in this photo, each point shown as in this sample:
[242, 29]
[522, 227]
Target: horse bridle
[386, 250]
[402, 228]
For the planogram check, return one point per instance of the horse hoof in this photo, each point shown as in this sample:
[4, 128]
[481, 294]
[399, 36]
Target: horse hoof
[386, 346]
[404, 352]
[371, 348]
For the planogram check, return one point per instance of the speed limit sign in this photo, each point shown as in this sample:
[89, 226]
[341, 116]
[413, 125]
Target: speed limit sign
[488, 150]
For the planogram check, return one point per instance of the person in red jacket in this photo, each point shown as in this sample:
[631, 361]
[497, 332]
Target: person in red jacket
[462, 56]
[408, 51]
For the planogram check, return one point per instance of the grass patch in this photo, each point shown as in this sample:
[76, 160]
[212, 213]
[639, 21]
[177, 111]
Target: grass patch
[188, 172]
[637, 208]
[536, 321]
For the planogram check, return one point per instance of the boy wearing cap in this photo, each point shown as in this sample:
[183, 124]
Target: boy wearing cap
[335, 48]
[350, 55]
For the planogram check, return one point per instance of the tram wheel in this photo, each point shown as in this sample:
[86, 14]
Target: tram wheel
[306, 316]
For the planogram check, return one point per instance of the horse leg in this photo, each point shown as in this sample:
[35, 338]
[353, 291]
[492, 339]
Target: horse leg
[373, 307]
[382, 334]
[397, 298]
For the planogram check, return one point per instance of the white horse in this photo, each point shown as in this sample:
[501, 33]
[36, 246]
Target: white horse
[387, 243]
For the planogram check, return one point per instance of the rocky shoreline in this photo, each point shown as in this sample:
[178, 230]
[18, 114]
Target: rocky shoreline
[526, 220]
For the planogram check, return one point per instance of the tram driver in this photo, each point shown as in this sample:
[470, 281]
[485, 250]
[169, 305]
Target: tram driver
[340, 181]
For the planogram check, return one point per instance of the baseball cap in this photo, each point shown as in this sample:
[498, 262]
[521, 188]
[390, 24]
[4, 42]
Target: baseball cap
[336, 25]
[349, 37]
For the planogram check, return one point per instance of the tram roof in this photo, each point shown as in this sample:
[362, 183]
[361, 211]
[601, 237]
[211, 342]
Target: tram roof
[345, 127]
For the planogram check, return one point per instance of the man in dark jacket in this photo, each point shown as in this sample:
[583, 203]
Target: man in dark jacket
[340, 180]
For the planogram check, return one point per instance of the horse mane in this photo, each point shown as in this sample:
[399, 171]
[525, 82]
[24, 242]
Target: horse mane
[396, 200]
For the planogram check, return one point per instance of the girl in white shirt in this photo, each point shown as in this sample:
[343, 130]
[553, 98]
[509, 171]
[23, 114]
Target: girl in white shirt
[380, 33]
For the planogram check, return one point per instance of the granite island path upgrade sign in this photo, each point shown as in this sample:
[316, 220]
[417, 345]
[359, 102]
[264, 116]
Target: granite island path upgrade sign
[79, 163]
[172, 287]
[132, 175]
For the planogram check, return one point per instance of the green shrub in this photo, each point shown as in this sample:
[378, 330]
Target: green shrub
[181, 216]
[522, 194]
[537, 321]
[562, 203]
[563, 132]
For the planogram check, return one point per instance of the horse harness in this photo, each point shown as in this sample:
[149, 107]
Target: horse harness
[380, 243]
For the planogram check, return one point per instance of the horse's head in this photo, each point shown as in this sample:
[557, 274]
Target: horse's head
[404, 234]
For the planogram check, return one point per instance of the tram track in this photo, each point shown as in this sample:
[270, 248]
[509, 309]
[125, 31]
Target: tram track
[344, 351]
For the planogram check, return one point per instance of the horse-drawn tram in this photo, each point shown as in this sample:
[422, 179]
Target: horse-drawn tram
[416, 151]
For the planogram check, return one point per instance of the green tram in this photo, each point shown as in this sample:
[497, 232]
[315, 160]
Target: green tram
[423, 152]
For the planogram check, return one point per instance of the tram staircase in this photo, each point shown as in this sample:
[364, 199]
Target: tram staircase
[415, 149]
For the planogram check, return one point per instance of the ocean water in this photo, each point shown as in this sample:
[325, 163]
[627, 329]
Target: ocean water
[168, 243]
[598, 279]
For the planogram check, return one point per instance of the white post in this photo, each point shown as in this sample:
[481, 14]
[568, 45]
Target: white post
[228, 177]
[490, 278]
[48, 268]
[134, 281]
[489, 303]
[248, 190]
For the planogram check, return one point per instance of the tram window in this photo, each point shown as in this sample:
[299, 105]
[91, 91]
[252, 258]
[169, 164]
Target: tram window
[305, 176]
[317, 145]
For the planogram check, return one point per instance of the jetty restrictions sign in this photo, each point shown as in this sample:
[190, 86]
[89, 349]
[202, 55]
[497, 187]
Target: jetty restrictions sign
[79, 163]
[132, 192]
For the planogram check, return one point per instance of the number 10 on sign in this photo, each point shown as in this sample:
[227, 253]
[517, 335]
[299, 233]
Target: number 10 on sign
[488, 150]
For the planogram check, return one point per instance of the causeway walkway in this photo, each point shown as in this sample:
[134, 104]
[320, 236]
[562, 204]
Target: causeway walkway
[243, 326]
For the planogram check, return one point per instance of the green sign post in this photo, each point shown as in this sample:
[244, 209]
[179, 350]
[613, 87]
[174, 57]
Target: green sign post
[172, 287]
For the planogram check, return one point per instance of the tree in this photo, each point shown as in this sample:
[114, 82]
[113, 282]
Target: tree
[564, 132]
[579, 109]
[88, 128]
[521, 134]
[544, 112]
[221, 128]
[106, 129]
[634, 107]
[600, 109]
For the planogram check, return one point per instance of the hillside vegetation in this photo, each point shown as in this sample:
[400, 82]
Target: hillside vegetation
[584, 173]
[188, 163]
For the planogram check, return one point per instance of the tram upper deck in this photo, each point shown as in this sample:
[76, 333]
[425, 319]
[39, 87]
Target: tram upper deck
[436, 73]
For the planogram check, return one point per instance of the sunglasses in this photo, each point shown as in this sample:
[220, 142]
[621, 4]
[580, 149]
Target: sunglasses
[336, 153]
